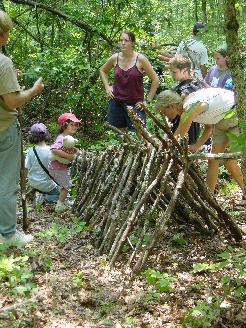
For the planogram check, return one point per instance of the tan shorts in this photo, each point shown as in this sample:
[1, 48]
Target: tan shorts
[221, 129]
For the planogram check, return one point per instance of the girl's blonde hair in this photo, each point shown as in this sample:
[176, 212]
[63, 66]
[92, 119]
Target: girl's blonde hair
[6, 23]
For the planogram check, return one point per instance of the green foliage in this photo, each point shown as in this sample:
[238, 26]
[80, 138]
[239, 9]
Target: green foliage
[109, 139]
[228, 186]
[161, 281]
[135, 240]
[150, 295]
[106, 308]
[15, 274]
[68, 56]
[237, 142]
[201, 267]
[202, 316]
[78, 279]
[131, 321]
[62, 232]
[178, 240]
[47, 263]
[206, 313]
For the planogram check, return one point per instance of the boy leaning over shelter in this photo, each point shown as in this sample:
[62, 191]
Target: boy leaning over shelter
[207, 106]
[11, 98]
[180, 67]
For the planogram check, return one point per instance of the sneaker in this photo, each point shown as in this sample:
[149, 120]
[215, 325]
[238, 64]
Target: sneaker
[38, 198]
[60, 207]
[19, 238]
[69, 202]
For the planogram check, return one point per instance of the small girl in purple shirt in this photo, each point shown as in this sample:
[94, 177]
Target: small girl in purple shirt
[68, 125]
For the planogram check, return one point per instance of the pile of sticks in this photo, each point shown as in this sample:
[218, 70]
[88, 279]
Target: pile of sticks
[130, 194]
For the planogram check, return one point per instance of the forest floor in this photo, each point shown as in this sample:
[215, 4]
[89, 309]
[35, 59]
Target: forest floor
[68, 285]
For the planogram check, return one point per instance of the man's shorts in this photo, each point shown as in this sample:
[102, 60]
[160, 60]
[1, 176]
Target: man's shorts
[118, 115]
[221, 129]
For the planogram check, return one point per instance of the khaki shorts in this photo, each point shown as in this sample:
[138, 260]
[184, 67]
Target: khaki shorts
[221, 129]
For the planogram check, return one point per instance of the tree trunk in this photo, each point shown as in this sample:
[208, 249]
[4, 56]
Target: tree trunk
[237, 67]
[195, 10]
[204, 11]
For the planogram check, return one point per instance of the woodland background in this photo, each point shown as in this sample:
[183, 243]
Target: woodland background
[66, 42]
[60, 280]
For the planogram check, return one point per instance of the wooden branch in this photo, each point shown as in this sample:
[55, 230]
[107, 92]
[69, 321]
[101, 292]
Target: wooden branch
[218, 156]
[84, 26]
[24, 28]
[165, 128]
[162, 222]
[140, 129]
[120, 132]
[135, 185]
[25, 222]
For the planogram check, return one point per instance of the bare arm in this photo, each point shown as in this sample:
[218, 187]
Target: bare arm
[165, 55]
[148, 69]
[204, 137]
[63, 154]
[104, 70]
[188, 116]
[17, 99]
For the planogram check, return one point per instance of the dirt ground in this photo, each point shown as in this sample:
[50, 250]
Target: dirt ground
[76, 287]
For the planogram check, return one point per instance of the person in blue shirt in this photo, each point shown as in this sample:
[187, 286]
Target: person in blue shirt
[219, 74]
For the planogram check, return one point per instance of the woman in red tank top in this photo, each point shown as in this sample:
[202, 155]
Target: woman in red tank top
[127, 89]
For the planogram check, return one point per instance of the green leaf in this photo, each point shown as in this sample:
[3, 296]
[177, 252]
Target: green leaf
[199, 267]
[225, 279]
[225, 255]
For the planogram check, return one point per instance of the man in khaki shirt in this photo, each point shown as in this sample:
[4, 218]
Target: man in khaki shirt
[11, 98]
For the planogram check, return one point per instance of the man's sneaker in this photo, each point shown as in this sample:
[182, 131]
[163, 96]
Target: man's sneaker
[60, 207]
[18, 239]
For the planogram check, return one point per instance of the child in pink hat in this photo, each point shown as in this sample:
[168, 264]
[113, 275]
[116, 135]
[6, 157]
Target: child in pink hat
[68, 125]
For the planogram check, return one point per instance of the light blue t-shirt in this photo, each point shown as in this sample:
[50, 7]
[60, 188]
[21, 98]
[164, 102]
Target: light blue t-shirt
[37, 177]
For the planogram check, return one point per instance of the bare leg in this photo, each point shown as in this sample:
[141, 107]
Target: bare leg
[236, 173]
[213, 165]
[63, 194]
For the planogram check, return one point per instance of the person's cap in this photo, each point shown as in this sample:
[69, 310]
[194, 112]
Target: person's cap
[67, 116]
[199, 27]
[38, 128]
[166, 98]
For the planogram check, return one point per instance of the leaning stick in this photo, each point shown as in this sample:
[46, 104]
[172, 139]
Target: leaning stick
[23, 177]
[217, 156]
